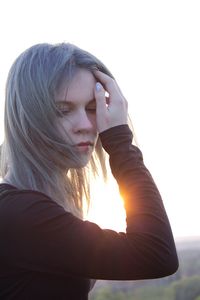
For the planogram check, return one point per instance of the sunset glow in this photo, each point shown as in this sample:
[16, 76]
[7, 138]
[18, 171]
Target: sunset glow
[107, 208]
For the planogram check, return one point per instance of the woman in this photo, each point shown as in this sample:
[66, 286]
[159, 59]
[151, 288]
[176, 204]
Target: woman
[57, 123]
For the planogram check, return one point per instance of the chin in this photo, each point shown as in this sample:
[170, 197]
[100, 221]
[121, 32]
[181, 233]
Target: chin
[81, 164]
[84, 163]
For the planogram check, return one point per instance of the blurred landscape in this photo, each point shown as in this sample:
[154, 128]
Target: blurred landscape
[183, 285]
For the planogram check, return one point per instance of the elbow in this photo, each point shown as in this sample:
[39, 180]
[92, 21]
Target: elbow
[172, 265]
[168, 266]
[170, 260]
[166, 259]
[162, 262]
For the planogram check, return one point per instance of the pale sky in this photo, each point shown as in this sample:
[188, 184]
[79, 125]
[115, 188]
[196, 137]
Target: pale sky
[153, 50]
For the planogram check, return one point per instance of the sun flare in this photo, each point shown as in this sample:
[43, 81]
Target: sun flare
[107, 208]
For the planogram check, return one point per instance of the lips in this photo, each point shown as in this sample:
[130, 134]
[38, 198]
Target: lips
[84, 144]
[84, 147]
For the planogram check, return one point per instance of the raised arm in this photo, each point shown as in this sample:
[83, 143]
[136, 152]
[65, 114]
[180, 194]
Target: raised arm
[50, 240]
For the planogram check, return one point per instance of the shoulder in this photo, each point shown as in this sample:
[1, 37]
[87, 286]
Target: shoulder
[12, 195]
[26, 205]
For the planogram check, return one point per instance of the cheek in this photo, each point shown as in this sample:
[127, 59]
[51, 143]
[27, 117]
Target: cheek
[63, 128]
[92, 119]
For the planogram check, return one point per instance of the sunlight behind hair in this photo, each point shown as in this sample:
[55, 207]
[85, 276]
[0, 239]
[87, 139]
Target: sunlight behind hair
[107, 208]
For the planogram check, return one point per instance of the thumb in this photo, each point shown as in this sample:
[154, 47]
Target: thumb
[101, 108]
[100, 100]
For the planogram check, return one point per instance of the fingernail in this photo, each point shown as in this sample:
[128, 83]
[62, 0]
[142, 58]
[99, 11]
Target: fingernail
[98, 86]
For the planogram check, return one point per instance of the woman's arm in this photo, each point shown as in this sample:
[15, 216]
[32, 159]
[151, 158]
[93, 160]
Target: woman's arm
[49, 239]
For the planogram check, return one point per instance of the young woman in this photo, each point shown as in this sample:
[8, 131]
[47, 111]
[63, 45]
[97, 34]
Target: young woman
[58, 125]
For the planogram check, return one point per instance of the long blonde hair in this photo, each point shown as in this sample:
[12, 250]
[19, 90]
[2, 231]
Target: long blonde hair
[32, 149]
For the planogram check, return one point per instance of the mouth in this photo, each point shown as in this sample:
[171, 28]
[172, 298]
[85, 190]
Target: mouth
[84, 146]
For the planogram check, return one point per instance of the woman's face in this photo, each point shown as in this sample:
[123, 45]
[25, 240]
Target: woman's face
[78, 105]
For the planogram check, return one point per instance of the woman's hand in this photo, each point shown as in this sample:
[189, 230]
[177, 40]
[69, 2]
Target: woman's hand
[111, 111]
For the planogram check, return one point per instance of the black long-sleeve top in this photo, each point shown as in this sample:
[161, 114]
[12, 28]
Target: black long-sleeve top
[47, 253]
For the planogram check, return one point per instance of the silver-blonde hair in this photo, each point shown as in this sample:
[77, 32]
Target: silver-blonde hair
[32, 149]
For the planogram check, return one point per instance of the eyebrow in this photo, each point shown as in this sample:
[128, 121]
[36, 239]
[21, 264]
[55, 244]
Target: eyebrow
[66, 102]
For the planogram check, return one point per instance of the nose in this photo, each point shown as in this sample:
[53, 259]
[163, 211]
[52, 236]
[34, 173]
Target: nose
[83, 122]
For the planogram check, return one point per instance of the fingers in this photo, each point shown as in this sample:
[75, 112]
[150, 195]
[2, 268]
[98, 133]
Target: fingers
[100, 99]
[105, 79]
[109, 83]
[102, 113]
[111, 111]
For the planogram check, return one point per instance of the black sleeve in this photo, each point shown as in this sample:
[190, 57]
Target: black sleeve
[48, 239]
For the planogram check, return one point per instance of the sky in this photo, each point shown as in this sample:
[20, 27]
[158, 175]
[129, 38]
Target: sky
[153, 50]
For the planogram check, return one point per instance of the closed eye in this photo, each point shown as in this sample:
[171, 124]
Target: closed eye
[63, 108]
[91, 109]
[65, 111]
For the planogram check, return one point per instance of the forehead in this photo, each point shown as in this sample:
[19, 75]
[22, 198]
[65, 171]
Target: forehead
[80, 88]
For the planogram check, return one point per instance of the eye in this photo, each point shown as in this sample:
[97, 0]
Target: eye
[63, 109]
[91, 110]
